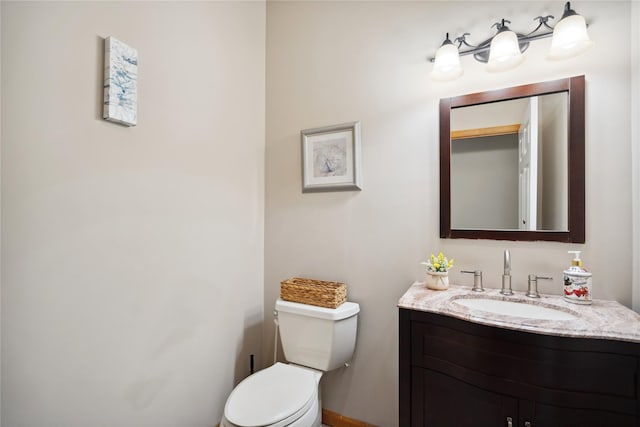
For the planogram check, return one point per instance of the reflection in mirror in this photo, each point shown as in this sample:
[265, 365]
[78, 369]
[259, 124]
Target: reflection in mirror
[512, 163]
[516, 151]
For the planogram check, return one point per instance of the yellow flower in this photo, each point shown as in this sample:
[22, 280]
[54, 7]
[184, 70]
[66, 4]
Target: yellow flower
[438, 263]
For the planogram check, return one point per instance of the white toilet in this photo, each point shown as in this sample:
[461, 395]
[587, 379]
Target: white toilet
[314, 340]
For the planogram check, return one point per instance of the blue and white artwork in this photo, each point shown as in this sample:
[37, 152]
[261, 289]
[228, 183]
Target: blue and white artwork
[120, 82]
[330, 157]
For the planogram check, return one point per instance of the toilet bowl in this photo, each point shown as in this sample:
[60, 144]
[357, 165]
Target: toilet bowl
[278, 396]
[314, 340]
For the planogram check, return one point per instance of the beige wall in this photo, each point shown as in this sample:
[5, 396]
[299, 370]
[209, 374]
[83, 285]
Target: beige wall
[0, 216]
[333, 62]
[635, 146]
[554, 158]
[492, 162]
[132, 287]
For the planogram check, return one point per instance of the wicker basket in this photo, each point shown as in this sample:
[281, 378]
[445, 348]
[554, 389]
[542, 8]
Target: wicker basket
[313, 292]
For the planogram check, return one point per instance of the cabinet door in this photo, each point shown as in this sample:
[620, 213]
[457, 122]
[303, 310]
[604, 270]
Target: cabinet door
[544, 415]
[439, 400]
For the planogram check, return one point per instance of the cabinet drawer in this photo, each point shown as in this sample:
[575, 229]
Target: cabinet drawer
[497, 356]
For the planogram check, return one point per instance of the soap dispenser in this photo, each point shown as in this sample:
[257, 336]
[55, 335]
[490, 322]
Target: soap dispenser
[577, 281]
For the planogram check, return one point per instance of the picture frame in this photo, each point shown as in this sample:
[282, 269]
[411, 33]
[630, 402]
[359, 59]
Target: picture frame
[331, 159]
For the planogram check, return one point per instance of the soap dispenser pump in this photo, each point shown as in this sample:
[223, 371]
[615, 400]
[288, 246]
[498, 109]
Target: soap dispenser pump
[577, 281]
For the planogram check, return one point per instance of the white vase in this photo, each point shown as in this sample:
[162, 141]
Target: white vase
[437, 280]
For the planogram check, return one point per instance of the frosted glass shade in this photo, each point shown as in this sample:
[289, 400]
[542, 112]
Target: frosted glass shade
[570, 38]
[447, 63]
[504, 53]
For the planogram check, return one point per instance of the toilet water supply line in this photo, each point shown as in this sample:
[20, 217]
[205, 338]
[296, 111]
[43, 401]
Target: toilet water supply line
[275, 339]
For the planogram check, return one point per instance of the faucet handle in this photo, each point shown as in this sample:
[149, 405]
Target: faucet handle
[532, 290]
[477, 280]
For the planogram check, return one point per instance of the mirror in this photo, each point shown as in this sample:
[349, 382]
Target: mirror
[512, 163]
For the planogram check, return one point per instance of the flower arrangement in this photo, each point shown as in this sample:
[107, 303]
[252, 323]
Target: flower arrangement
[438, 264]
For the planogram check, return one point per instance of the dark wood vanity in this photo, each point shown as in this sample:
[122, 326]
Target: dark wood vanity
[459, 373]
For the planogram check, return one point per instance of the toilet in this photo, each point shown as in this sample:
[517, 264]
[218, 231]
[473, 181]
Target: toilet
[314, 340]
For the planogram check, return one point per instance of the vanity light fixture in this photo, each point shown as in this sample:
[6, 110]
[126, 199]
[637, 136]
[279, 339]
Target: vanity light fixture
[504, 50]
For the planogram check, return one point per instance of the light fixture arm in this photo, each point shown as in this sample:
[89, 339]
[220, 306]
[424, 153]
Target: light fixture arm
[542, 21]
[568, 11]
[462, 40]
[500, 26]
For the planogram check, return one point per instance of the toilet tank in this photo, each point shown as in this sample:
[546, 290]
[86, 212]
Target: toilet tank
[317, 337]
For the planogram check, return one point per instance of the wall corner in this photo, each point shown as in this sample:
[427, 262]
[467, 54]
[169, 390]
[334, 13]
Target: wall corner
[635, 152]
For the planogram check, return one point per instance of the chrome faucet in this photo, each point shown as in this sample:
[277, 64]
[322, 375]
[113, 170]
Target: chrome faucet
[532, 290]
[506, 276]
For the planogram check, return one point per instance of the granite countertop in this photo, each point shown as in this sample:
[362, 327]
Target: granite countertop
[602, 319]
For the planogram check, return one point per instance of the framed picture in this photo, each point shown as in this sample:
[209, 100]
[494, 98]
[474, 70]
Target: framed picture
[120, 83]
[331, 158]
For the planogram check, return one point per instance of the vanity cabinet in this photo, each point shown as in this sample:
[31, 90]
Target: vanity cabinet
[458, 373]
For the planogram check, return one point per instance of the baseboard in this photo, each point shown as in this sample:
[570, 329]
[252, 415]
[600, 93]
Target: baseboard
[333, 419]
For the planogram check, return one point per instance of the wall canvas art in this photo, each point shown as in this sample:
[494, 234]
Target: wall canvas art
[120, 82]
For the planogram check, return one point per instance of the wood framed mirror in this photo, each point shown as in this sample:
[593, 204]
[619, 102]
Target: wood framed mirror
[512, 163]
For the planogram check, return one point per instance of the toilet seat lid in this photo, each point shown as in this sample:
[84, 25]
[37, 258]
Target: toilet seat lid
[272, 395]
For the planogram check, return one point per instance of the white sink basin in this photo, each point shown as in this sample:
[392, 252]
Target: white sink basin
[514, 308]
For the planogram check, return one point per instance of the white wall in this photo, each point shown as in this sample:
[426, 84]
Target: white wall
[635, 147]
[333, 62]
[0, 220]
[554, 188]
[503, 113]
[485, 163]
[132, 287]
